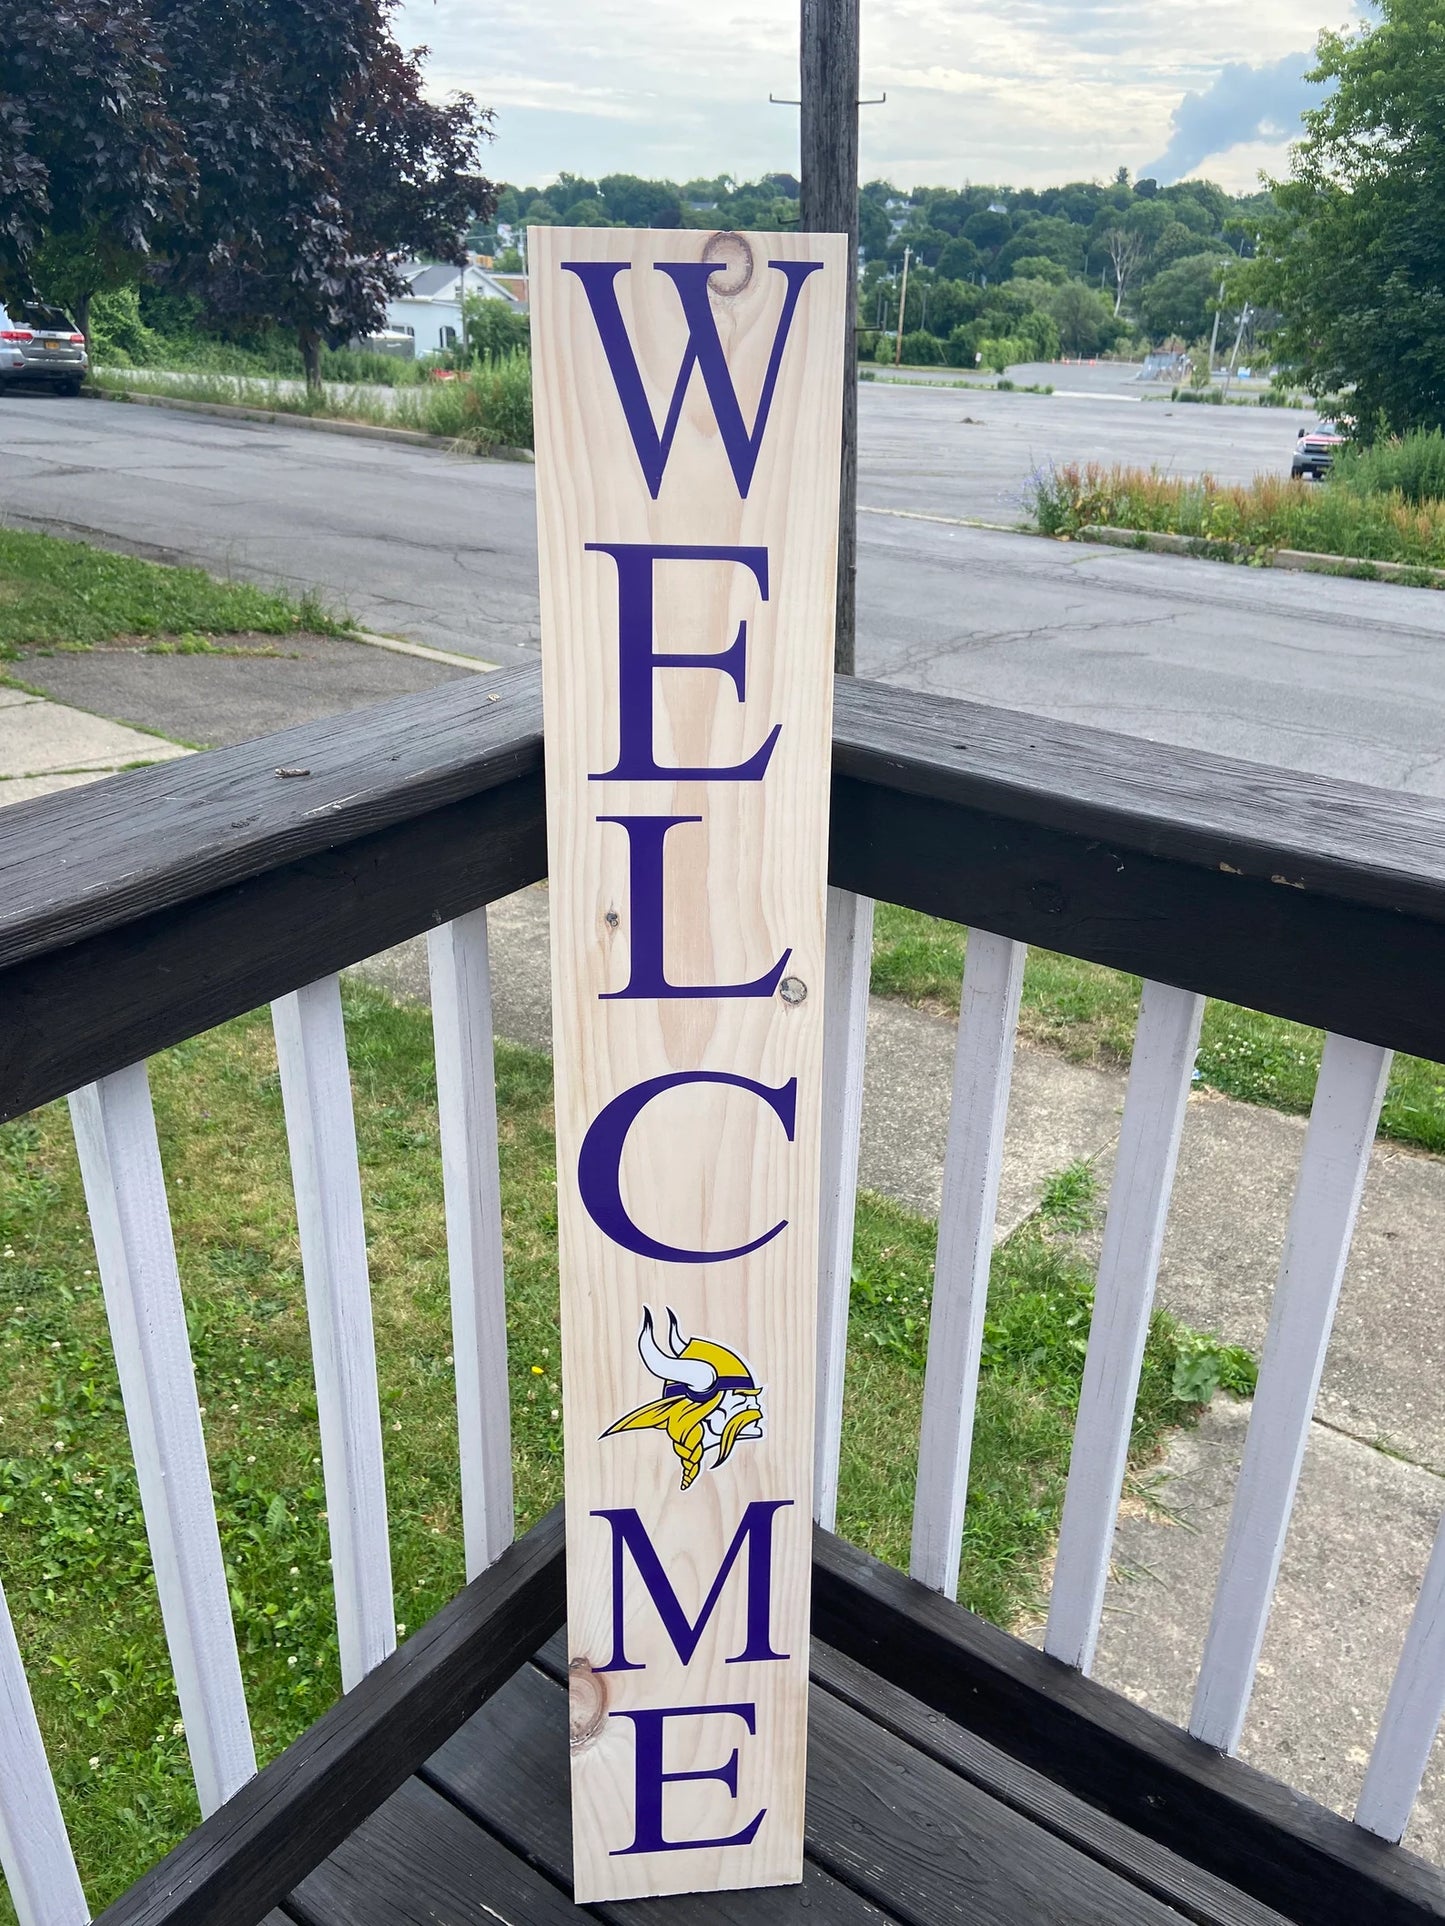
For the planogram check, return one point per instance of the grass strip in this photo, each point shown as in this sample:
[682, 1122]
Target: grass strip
[489, 406]
[1267, 513]
[1088, 1014]
[73, 1552]
[63, 594]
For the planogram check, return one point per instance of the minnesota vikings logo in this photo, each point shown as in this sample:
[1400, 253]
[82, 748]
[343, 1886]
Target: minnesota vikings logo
[709, 1398]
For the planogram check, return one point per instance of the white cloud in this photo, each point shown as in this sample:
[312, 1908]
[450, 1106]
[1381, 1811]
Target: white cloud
[1023, 91]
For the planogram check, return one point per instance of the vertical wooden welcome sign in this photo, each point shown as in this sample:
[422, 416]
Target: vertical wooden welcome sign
[688, 396]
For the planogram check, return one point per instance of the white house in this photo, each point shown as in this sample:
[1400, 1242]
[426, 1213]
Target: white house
[431, 309]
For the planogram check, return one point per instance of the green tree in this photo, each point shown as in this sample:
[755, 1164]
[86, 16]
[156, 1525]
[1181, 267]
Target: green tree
[319, 162]
[1181, 299]
[874, 229]
[1355, 259]
[91, 154]
[1084, 317]
[632, 202]
[960, 260]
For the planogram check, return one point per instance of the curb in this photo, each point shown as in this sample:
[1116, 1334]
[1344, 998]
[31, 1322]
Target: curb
[398, 647]
[1300, 561]
[367, 431]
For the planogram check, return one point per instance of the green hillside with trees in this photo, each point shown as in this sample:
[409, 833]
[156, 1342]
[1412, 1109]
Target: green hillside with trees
[1012, 274]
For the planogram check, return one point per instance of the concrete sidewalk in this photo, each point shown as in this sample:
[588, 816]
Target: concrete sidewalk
[1372, 1491]
[45, 746]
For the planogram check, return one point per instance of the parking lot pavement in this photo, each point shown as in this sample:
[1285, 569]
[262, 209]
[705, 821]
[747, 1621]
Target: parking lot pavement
[1315, 673]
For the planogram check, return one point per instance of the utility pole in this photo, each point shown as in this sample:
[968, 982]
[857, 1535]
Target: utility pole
[829, 174]
[1214, 331]
[1238, 337]
[902, 306]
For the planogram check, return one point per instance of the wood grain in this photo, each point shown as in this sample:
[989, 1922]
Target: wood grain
[1231, 1821]
[300, 1807]
[507, 1767]
[707, 1166]
[174, 909]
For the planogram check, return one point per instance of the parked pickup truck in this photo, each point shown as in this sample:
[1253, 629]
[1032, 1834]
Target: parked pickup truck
[1314, 450]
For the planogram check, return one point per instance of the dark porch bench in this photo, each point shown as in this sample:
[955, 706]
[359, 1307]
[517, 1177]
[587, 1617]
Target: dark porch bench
[955, 1774]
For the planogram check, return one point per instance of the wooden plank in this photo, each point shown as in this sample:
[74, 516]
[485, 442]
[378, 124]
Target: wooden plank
[935, 1849]
[1233, 1822]
[507, 1767]
[1165, 1045]
[461, 999]
[1412, 1711]
[688, 579]
[945, 1847]
[1168, 1877]
[321, 1134]
[973, 1160]
[122, 995]
[845, 1038]
[1315, 834]
[1340, 965]
[125, 1190]
[154, 838]
[1039, 831]
[417, 1861]
[298, 1809]
[35, 1854]
[1341, 1134]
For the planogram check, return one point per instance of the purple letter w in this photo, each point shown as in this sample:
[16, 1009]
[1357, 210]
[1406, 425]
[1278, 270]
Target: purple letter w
[704, 351]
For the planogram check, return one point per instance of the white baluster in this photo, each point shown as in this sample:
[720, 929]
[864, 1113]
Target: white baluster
[321, 1131]
[1412, 1712]
[1336, 1156]
[845, 1036]
[120, 1164]
[1165, 1044]
[34, 1849]
[461, 992]
[982, 1071]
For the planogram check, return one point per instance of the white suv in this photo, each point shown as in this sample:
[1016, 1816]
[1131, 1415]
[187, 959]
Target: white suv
[40, 343]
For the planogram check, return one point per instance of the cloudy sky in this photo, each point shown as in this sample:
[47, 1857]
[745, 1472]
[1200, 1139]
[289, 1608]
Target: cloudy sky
[1027, 92]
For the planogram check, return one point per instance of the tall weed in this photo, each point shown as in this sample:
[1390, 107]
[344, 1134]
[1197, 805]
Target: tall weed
[1269, 513]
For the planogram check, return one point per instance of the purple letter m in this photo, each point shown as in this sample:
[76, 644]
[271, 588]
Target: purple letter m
[704, 351]
[629, 1534]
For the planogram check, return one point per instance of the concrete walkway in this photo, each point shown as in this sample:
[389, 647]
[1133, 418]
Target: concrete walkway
[45, 746]
[1372, 1491]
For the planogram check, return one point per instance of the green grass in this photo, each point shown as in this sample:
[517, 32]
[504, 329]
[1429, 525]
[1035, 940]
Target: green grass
[1088, 1013]
[59, 594]
[1266, 514]
[489, 406]
[72, 1545]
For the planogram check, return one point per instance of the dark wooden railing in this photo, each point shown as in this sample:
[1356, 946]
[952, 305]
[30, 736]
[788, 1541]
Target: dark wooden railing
[140, 911]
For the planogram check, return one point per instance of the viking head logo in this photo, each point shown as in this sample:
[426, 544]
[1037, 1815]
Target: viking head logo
[709, 1399]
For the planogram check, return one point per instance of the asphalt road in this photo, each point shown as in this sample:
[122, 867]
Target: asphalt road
[1323, 674]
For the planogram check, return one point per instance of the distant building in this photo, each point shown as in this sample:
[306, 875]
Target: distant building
[431, 309]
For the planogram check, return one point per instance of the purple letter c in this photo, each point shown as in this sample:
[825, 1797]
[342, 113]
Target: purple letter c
[599, 1167]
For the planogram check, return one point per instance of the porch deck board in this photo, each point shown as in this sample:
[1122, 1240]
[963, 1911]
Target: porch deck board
[899, 1833]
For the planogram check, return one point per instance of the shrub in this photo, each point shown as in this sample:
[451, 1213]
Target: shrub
[1411, 466]
[961, 348]
[1270, 513]
[921, 350]
[1001, 352]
